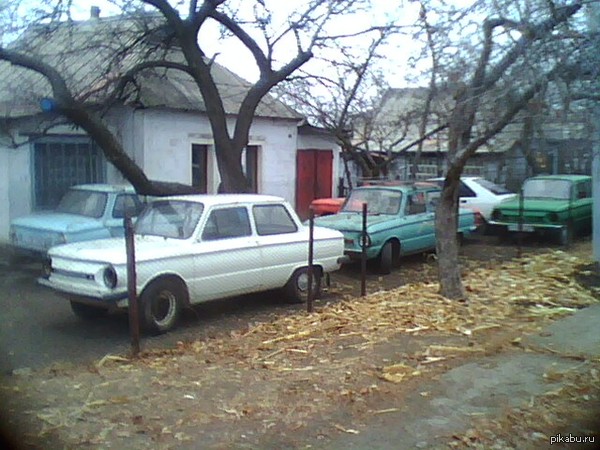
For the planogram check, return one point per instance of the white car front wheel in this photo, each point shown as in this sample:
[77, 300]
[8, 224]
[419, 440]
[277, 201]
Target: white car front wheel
[161, 304]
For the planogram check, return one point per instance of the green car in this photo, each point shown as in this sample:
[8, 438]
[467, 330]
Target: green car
[400, 221]
[559, 205]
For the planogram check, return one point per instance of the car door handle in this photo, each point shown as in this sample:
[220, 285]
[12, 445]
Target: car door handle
[463, 201]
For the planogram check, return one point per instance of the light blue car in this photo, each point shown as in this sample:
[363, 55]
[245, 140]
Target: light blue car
[400, 221]
[86, 212]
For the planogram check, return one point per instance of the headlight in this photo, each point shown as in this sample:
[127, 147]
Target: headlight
[553, 217]
[110, 277]
[364, 240]
[46, 268]
[497, 215]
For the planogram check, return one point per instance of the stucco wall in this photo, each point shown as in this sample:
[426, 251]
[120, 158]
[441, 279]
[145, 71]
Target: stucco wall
[161, 142]
[169, 135]
[15, 185]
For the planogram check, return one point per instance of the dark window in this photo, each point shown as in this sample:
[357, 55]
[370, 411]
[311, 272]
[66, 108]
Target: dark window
[126, 204]
[584, 189]
[59, 163]
[433, 199]
[227, 223]
[251, 167]
[200, 167]
[273, 219]
[416, 203]
[465, 191]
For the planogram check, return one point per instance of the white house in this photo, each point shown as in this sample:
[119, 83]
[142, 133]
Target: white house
[164, 129]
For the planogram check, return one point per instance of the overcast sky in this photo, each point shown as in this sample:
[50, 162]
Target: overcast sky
[238, 59]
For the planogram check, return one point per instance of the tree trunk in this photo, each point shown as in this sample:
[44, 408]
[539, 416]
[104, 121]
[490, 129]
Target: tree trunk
[229, 162]
[446, 220]
[116, 155]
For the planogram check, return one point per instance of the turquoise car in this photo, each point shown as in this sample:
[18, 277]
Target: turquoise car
[400, 221]
[86, 212]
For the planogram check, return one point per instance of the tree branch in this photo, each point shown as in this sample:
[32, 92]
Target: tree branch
[261, 60]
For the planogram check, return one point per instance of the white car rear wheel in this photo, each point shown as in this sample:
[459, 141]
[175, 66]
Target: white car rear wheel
[296, 289]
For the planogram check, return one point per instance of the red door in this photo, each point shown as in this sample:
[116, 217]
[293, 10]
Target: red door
[313, 178]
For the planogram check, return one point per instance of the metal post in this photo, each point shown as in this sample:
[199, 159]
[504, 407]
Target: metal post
[570, 216]
[520, 237]
[311, 228]
[363, 254]
[593, 19]
[134, 322]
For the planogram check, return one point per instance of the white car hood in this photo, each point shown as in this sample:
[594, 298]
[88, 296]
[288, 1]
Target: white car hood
[112, 250]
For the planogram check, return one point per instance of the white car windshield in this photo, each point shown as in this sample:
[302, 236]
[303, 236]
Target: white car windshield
[83, 203]
[379, 201]
[547, 189]
[169, 218]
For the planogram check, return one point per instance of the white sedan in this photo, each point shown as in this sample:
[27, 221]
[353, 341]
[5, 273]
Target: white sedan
[479, 194]
[191, 249]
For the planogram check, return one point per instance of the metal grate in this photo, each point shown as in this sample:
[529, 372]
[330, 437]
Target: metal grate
[62, 163]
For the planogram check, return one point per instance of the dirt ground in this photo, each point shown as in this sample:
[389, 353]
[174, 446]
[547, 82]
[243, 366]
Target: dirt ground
[299, 380]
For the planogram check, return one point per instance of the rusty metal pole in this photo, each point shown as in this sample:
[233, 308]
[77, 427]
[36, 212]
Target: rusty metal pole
[363, 254]
[311, 228]
[134, 322]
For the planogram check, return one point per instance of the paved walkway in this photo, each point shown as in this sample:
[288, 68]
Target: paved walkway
[484, 389]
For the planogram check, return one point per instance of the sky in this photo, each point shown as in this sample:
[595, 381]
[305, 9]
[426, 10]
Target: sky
[235, 57]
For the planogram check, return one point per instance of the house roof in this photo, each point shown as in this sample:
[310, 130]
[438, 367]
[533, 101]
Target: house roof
[86, 54]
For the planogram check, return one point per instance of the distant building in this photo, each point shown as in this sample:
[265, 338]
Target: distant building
[560, 143]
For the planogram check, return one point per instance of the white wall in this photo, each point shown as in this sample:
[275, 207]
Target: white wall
[161, 142]
[15, 186]
[168, 137]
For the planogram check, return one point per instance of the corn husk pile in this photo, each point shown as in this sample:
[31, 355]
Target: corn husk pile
[287, 371]
[530, 289]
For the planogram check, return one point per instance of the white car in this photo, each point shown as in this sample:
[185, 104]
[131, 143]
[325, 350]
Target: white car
[479, 194]
[191, 249]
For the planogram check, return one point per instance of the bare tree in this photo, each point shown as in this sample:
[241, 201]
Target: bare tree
[266, 36]
[344, 98]
[518, 54]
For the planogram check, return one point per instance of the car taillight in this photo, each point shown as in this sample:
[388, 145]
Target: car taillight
[479, 220]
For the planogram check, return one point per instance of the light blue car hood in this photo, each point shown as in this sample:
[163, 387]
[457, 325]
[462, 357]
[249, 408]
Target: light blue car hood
[350, 221]
[57, 222]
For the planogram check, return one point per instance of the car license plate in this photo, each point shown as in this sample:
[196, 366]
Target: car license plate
[525, 228]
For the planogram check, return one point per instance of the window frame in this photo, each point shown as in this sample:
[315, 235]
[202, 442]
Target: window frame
[217, 236]
[199, 167]
[139, 205]
[257, 225]
[421, 195]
